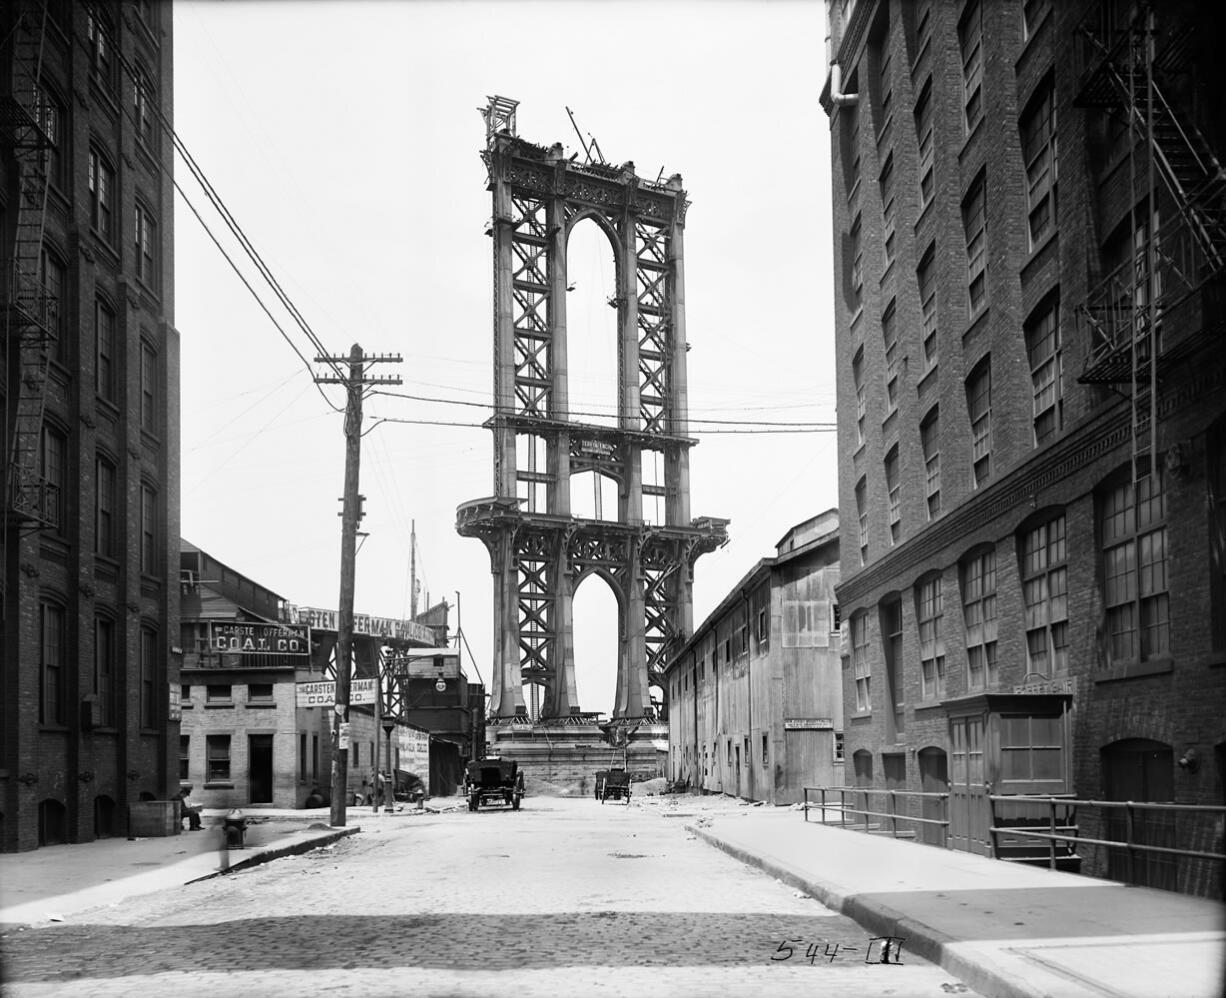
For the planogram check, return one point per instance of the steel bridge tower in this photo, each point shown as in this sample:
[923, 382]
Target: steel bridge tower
[539, 551]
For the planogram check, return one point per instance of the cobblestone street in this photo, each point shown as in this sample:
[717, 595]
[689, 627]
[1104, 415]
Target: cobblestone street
[563, 897]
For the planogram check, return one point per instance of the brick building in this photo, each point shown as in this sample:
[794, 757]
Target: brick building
[755, 695]
[1034, 529]
[256, 694]
[89, 396]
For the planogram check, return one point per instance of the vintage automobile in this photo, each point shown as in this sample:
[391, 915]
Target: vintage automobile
[493, 781]
[613, 784]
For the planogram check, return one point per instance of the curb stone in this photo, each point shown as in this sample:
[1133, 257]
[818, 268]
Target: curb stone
[921, 939]
[292, 849]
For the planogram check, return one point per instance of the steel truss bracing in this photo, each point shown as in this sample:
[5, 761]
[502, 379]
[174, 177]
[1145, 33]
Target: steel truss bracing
[539, 551]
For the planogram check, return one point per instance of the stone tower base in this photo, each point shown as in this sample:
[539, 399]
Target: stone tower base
[562, 759]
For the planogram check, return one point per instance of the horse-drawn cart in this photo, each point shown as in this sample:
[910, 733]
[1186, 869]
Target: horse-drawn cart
[613, 784]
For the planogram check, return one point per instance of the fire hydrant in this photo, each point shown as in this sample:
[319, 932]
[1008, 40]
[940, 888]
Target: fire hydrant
[234, 827]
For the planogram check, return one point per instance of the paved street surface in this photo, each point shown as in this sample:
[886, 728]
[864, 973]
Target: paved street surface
[563, 897]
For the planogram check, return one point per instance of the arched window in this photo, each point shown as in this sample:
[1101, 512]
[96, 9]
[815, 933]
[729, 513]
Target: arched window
[1134, 569]
[979, 617]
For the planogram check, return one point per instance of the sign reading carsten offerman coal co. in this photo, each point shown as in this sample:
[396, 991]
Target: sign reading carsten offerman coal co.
[259, 639]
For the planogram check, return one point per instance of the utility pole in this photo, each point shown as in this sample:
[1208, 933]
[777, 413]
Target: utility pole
[355, 386]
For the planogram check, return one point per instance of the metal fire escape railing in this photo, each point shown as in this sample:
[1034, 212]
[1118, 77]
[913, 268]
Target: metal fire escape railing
[1164, 280]
[31, 309]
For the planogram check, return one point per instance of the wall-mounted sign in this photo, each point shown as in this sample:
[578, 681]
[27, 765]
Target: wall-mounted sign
[323, 694]
[594, 447]
[807, 724]
[1068, 685]
[259, 639]
[363, 624]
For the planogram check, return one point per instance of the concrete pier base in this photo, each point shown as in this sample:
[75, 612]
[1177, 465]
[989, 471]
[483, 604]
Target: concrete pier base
[564, 758]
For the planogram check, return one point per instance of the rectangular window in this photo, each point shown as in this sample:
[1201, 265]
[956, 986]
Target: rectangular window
[314, 757]
[99, 39]
[259, 693]
[303, 774]
[891, 626]
[148, 388]
[923, 132]
[1033, 12]
[101, 181]
[219, 693]
[861, 669]
[185, 757]
[932, 645]
[150, 712]
[142, 107]
[1045, 593]
[893, 494]
[104, 508]
[886, 182]
[145, 234]
[765, 751]
[149, 530]
[104, 357]
[51, 657]
[970, 40]
[889, 334]
[862, 517]
[1134, 571]
[979, 407]
[217, 758]
[930, 439]
[979, 616]
[185, 694]
[1046, 369]
[52, 304]
[925, 276]
[50, 116]
[1038, 128]
[838, 746]
[856, 255]
[54, 471]
[974, 224]
[104, 670]
[857, 374]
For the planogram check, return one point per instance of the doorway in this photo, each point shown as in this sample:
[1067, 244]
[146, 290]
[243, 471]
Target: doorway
[259, 755]
[968, 804]
[1141, 770]
[934, 779]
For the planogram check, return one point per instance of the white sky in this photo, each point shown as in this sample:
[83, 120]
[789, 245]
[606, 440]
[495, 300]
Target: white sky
[345, 139]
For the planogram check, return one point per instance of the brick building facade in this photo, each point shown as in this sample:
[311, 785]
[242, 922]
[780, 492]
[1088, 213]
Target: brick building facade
[89, 392]
[755, 696]
[1034, 529]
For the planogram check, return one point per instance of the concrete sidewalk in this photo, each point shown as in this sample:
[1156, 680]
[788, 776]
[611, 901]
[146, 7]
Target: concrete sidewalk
[1004, 928]
[55, 882]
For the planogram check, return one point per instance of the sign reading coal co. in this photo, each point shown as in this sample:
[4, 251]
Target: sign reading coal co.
[323, 694]
[259, 639]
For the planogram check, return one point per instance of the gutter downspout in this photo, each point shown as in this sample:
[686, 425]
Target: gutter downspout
[837, 97]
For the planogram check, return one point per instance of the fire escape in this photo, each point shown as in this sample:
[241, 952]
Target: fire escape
[31, 310]
[1161, 305]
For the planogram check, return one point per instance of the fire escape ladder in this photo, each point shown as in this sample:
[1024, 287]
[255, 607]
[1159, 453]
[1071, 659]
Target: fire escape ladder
[31, 317]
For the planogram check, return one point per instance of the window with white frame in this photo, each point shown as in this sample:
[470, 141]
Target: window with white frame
[970, 40]
[217, 758]
[1038, 128]
[857, 375]
[974, 224]
[1135, 571]
[1045, 595]
[1046, 368]
[143, 105]
[925, 276]
[52, 660]
[861, 669]
[979, 617]
[53, 467]
[856, 255]
[893, 493]
[891, 628]
[889, 335]
[979, 408]
[101, 183]
[145, 247]
[50, 116]
[930, 441]
[104, 353]
[862, 518]
[105, 506]
[100, 42]
[932, 645]
[923, 133]
[150, 670]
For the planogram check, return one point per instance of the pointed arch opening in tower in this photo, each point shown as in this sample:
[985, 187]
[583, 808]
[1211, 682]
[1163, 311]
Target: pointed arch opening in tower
[597, 644]
[591, 325]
